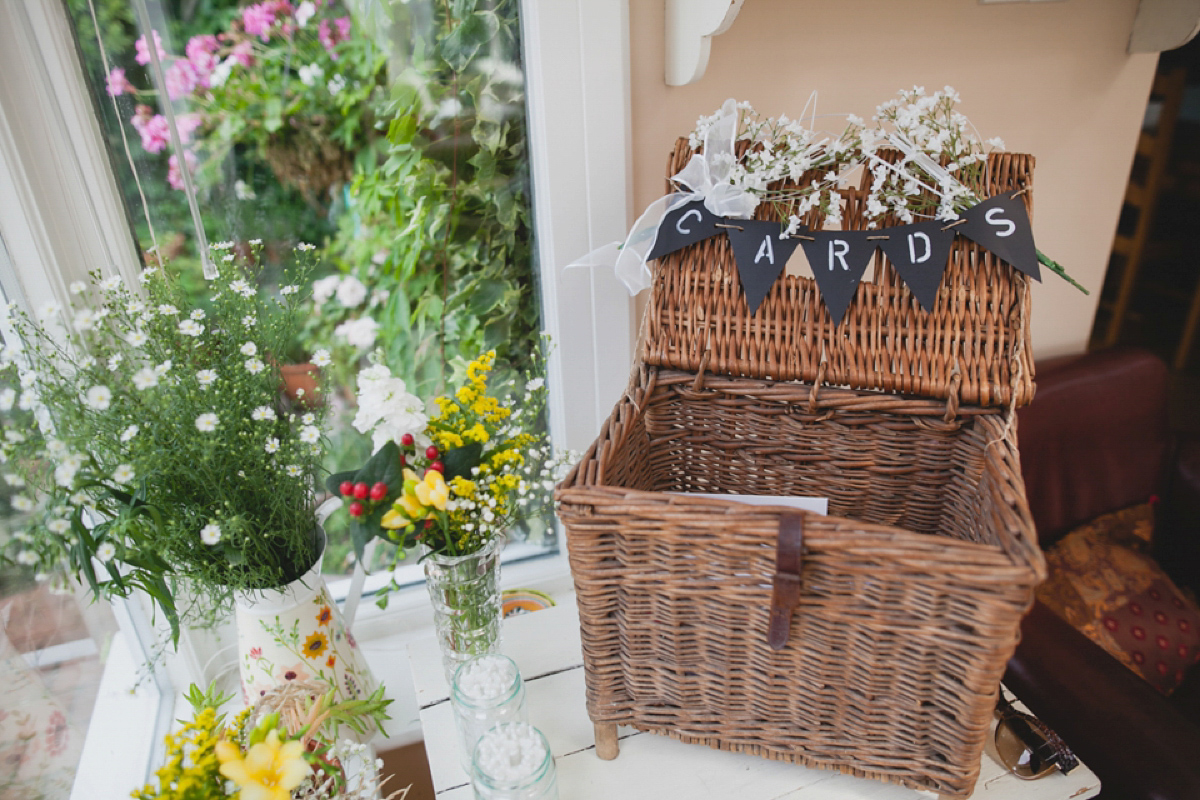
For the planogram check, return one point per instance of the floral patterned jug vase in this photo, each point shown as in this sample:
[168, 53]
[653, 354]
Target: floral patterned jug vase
[297, 633]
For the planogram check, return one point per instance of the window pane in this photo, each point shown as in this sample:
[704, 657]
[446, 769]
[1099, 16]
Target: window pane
[390, 135]
[54, 643]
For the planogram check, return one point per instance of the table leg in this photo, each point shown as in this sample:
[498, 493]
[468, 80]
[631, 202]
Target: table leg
[606, 740]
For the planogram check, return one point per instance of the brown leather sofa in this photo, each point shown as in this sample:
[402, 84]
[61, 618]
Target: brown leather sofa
[1094, 440]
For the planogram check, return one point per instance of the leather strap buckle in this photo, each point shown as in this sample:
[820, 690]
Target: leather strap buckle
[785, 592]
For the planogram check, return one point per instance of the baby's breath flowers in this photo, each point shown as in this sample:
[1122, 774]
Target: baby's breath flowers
[940, 171]
[175, 457]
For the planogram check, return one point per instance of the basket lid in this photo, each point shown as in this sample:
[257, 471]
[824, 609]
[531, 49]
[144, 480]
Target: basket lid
[972, 347]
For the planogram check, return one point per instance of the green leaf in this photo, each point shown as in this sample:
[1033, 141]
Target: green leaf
[487, 295]
[464, 42]
[461, 460]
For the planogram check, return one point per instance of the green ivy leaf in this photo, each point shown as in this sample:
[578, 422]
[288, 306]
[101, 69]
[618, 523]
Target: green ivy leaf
[460, 47]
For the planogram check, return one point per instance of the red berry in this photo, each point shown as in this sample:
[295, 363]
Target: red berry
[379, 491]
[356, 509]
[361, 490]
[347, 488]
[406, 440]
[431, 452]
[403, 461]
[428, 523]
[437, 466]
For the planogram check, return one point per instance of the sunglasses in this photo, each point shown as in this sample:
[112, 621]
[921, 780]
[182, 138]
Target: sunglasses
[1026, 746]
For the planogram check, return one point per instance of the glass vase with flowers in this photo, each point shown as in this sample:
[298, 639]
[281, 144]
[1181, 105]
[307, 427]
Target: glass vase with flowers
[453, 483]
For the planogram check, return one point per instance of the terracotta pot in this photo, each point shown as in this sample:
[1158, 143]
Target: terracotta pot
[297, 377]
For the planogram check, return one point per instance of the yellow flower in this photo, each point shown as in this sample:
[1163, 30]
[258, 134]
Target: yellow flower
[394, 520]
[478, 433]
[316, 644]
[269, 770]
[465, 395]
[448, 440]
[433, 491]
[462, 487]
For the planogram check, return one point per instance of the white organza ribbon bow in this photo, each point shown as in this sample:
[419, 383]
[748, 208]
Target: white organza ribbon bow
[706, 177]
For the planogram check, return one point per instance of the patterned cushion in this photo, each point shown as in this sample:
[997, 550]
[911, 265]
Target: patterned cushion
[1102, 581]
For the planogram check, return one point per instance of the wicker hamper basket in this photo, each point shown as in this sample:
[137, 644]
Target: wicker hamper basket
[910, 592]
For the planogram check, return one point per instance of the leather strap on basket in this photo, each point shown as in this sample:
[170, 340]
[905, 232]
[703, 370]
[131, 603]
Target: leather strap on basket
[785, 594]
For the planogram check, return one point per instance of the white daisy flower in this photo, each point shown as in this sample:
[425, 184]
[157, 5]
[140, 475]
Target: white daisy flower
[305, 246]
[123, 474]
[164, 368]
[7, 398]
[189, 327]
[286, 290]
[135, 308]
[249, 349]
[78, 287]
[254, 366]
[207, 422]
[167, 310]
[210, 534]
[85, 320]
[79, 499]
[14, 480]
[206, 377]
[111, 284]
[242, 287]
[321, 358]
[129, 433]
[294, 471]
[48, 309]
[98, 398]
[145, 378]
[137, 338]
[114, 361]
[58, 525]
[309, 434]
[249, 321]
[262, 413]
[22, 503]
[27, 557]
[272, 445]
[106, 551]
[198, 314]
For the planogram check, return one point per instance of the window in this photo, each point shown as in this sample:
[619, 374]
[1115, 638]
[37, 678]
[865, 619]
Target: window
[57, 168]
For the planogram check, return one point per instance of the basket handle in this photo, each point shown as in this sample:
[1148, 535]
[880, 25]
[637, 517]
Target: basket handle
[785, 592]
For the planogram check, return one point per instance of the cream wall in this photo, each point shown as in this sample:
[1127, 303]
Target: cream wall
[1052, 79]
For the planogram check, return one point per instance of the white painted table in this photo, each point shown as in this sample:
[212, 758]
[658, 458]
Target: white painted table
[546, 647]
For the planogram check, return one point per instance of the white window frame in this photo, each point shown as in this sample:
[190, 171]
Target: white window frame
[62, 215]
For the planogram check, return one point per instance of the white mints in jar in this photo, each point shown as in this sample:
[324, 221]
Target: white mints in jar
[510, 752]
[486, 678]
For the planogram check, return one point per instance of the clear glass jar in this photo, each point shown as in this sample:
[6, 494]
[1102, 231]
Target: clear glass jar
[512, 761]
[486, 691]
[465, 592]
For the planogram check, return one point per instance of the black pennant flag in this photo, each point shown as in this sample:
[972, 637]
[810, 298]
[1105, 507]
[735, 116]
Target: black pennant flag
[838, 260]
[685, 225]
[760, 254]
[920, 253]
[1001, 225]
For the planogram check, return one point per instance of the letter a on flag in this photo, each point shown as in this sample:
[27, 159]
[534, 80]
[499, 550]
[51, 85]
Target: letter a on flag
[760, 255]
[838, 260]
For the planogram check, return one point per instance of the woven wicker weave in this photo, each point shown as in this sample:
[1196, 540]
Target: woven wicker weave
[912, 588]
[974, 343]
